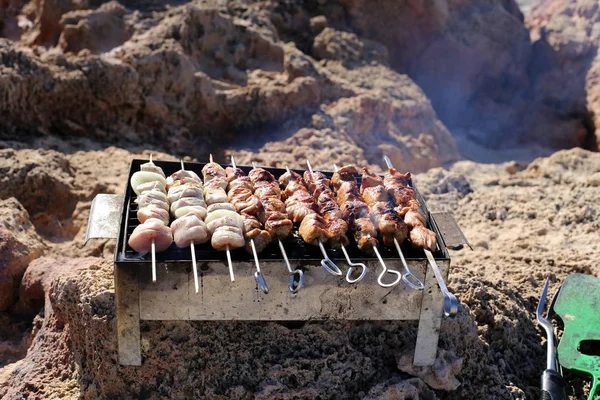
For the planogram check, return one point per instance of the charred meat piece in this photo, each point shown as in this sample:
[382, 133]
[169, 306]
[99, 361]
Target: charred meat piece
[240, 194]
[381, 212]
[319, 187]
[313, 229]
[407, 205]
[298, 201]
[354, 210]
[266, 189]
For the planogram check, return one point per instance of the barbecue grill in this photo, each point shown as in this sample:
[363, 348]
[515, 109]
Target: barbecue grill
[323, 295]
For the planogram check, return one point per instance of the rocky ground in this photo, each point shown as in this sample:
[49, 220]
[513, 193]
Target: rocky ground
[87, 86]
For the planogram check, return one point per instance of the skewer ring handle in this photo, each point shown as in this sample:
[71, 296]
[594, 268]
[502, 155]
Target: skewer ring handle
[412, 281]
[260, 281]
[295, 285]
[330, 267]
[389, 271]
[362, 274]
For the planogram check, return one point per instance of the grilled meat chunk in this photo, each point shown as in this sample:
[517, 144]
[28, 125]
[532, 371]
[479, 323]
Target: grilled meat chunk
[406, 204]
[354, 210]
[189, 228]
[313, 228]
[153, 228]
[382, 214]
[266, 189]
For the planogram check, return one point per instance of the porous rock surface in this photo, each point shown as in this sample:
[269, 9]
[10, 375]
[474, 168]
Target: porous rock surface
[214, 75]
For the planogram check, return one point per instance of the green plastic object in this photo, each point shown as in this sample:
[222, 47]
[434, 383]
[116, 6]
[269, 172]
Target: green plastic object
[578, 305]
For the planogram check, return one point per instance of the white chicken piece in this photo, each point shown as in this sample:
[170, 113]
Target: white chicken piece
[141, 237]
[186, 205]
[179, 191]
[153, 211]
[183, 176]
[215, 195]
[189, 228]
[150, 186]
[227, 237]
[235, 219]
[220, 206]
[152, 197]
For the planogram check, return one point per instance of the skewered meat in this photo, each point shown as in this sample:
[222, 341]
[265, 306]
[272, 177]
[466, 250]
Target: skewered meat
[183, 176]
[222, 221]
[266, 189]
[354, 210]
[383, 216]
[153, 211]
[313, 229]
[319, 186]
[227, 237]
[141, 177]
[240, 194]
[186, 205]
[179, 190]
[153, 228]
[188, 208]
[150, 186]
[298, 201]
[151, 167]
[407, 205]
[215, 183]
[189, 228]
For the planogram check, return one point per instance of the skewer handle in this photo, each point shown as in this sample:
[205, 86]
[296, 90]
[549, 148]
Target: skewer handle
[194, 266]
[230, 264]
[153, 251]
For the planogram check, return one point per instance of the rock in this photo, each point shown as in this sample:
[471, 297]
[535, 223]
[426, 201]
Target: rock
[42, 182]
[396, 389]
[347, 47]
[98, 31]
[199, 74]
[317, 24]
[566, 67]
[19, 244]
[441, 375]
[41, 273]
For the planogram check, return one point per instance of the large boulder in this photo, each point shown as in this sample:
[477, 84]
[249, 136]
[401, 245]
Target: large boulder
[19, 245]
[566, 70]
[212, 76]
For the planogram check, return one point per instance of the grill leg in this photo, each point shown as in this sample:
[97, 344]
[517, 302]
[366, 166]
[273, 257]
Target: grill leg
[128, 315]
[432, 308]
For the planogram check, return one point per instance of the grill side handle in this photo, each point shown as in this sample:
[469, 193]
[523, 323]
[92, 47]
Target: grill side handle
[451, 234]
[105, 216]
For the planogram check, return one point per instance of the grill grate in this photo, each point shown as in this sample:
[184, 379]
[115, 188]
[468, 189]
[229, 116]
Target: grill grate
[295, 247]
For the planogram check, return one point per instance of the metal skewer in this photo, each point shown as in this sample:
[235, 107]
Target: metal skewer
[153, 249]
[327, 264]
[227, 251]
[296, 275]
[258, 276]
[193, 250]
[350, 263]
[450, 301]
